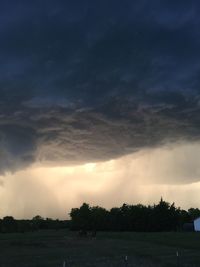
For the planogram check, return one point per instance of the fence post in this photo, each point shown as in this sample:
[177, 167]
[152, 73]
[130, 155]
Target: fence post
[177, 257]
[126, 261]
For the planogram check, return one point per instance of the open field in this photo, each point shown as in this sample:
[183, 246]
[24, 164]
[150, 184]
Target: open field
[51, 248]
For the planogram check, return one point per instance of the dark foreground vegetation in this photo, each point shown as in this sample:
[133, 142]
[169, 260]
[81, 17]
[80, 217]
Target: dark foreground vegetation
[131, 235]
[139, 218]
[9, 225]
[50, 248]
[160, 217]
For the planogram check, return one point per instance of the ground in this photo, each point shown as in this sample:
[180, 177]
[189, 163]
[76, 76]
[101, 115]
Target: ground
[52, 248]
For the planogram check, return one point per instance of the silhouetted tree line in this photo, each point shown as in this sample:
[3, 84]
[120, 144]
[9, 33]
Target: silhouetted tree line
[161, 217]
[9, 225]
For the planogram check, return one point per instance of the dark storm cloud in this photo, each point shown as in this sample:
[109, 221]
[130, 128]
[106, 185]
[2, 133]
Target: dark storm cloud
[92, 80]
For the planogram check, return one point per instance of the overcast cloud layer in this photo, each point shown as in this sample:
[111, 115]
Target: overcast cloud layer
[84, 81]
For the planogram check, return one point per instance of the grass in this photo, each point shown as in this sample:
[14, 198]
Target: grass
[51, 248]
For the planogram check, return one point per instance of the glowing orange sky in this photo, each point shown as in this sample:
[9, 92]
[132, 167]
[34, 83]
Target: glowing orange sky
[172, 172]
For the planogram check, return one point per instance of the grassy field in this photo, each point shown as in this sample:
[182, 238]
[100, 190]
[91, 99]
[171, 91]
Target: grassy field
[51, 248]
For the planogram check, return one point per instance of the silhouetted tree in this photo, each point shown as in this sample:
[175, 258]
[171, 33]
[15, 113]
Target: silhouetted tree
[161, 217]
[193, 213]
[9, 224]
[81, 218]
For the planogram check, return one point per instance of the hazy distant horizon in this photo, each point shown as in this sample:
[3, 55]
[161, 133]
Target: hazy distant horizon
[142, 177]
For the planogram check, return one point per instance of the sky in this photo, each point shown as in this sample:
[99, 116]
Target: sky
[99, 103]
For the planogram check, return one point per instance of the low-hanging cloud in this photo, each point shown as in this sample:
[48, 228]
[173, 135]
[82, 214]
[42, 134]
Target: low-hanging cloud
[93, 81]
